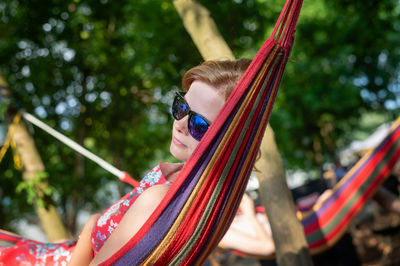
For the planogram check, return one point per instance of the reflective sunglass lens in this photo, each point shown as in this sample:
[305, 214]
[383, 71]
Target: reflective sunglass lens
[179, 108]
[197, 127]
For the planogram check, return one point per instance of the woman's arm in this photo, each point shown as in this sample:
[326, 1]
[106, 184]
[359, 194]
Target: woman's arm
[132, 221]
[83, 252]
[258, 243]
[388, 201]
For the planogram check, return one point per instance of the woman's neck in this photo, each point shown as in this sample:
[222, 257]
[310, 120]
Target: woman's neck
[170, 170]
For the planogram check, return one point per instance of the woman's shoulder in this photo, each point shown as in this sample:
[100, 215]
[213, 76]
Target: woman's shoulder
[154, 187]
[144, 206]
[151, 196]
[134, 218]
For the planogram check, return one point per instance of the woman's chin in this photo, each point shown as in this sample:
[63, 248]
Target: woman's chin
[178, 152]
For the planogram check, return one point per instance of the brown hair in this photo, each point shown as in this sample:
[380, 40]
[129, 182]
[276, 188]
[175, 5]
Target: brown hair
[223, 75]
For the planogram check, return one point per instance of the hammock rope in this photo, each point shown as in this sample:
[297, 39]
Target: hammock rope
[123, 176]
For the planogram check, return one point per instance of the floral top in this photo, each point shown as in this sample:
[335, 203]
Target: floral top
[26, 252]
[110, 218]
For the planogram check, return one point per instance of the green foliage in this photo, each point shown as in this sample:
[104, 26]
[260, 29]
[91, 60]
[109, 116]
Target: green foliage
[102, 71]
[34, 189]
[3, 109]
[346, 66]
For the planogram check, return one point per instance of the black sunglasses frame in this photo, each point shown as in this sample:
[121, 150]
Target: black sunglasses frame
[189, 112]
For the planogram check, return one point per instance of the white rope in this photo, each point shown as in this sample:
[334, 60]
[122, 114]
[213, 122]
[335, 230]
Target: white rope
[73, 145]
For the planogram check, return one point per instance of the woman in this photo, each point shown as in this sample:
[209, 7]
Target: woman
[208, 86]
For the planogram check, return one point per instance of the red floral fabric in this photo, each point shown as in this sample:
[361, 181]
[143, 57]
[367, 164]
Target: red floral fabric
[26, 252]
[111, 217]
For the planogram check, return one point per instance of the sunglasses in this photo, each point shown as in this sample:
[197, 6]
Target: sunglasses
[197, 125]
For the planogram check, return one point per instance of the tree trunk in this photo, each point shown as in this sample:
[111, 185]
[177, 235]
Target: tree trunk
[202, 29]
[3, 83]
[47, 212]
[290, 243]
[32, 166]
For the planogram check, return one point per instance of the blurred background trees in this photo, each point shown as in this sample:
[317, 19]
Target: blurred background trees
[102, 73]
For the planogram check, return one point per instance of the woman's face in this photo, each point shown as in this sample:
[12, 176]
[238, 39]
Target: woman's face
[204, 100]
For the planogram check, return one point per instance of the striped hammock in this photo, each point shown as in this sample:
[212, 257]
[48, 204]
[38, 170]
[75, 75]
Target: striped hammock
[204, 198]
[328, 220]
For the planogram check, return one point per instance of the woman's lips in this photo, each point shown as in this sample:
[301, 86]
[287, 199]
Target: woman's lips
[177, 142]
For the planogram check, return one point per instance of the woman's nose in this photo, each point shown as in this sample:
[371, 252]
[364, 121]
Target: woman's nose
[181, 125]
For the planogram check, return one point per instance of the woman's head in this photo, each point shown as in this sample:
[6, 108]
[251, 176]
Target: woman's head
[208, 86]
[222, 75]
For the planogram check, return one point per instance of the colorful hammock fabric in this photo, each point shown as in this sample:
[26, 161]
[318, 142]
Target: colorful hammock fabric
[328, 221]
[203, 200]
